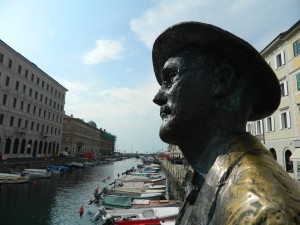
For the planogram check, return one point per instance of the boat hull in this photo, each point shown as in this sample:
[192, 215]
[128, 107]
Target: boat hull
[6, 178]
[151, 196]
[36, 173]
[167, 213]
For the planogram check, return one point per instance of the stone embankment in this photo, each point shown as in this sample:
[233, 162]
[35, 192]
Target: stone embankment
[179, 179]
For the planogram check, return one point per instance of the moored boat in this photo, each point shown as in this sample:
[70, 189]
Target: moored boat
[59, 169]
[155, 186]
[136, 190]
[7, 178]
[145, 174]
[152, 196]
[146, 222]
[36, 173]
[120, 183]
[161, 180]
[113, 201]
[75, 165]
[88, 164]
[161, 213]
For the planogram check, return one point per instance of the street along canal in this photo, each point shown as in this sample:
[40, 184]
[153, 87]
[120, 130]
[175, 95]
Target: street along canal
[56, 201]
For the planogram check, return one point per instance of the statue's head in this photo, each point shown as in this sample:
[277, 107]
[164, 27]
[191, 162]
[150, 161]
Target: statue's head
[207, 73]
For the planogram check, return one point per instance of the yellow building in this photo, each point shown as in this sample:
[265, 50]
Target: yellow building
[79, 137]
[281, 131]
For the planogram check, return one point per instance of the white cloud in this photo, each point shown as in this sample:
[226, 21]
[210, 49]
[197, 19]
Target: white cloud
[105, 50]
[251, 20]
[126, 112]
[152, 22]
[70, 85]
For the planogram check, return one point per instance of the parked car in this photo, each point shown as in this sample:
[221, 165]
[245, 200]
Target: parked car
[64, 154]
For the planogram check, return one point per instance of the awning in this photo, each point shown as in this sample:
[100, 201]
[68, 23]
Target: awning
[295, 155]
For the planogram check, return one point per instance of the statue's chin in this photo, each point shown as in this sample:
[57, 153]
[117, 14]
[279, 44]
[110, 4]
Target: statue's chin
[167, 135]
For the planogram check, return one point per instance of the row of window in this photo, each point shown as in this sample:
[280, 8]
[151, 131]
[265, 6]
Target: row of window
[32, 109]
[36, 96]
[30, 147]
[34, 126]
[284, 86]
[296, 47]
[33, 78]
[83, 129]
[269, 124]
[279, 59]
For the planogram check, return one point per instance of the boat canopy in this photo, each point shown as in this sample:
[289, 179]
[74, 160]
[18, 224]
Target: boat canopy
[113, 200]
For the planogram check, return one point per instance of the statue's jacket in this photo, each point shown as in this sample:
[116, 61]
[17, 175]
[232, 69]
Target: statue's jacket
[245, 186]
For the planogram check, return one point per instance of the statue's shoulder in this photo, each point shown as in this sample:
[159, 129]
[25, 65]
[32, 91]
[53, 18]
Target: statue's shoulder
[260, 191]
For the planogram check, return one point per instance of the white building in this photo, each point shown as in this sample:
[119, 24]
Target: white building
[31, 107]
[281, 131]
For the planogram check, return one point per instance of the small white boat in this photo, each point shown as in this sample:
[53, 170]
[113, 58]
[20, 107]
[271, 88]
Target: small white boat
[138, 184]
[124, 180]
[88, 164]
[145, 174]
[146, 222]
[152, 196]
[75, 165]
[7, 178]
[155, 186]
[137, 190]
[126, 202]
[161, 213]
[36, 173]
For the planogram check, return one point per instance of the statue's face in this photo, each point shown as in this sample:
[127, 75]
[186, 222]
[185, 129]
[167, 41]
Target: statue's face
[185, 97]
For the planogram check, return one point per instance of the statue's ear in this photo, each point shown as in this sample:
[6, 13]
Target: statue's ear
[224, 79]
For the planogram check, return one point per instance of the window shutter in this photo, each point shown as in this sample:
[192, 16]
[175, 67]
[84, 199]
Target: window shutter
[261, 126]
[282, 57]
[288, 118]
[280, 121]
[275, 62]
[251, 128]
[248, 128]
[272, 123]
[266, 125]
[256, 130]
[285, 87]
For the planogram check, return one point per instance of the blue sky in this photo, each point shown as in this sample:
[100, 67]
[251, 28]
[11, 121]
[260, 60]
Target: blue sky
[100, 51]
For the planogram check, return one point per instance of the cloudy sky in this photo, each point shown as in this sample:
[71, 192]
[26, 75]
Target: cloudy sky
[100, 50]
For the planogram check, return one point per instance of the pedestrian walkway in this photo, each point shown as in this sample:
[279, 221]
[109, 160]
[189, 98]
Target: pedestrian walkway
[177, 170]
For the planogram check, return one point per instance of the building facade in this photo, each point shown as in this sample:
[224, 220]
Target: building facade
[79, 137]
[31, 107]
[281, 131]
[174, 151]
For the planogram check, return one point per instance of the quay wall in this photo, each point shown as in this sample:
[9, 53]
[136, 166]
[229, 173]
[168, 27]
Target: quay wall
[179, 178]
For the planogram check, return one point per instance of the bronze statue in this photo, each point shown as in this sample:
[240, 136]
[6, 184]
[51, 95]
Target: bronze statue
[212, 83]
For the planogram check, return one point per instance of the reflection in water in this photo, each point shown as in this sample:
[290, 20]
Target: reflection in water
[56, 201]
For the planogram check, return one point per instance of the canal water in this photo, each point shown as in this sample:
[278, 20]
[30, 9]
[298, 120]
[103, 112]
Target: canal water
[56, 201]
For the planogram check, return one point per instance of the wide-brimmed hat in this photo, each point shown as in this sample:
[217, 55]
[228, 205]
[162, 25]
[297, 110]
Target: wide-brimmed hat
[265, 85]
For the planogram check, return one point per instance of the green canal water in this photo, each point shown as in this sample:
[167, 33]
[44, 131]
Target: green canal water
[56, 201]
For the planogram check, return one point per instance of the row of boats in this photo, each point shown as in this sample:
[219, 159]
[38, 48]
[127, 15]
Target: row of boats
[28, 174]
[137, 198]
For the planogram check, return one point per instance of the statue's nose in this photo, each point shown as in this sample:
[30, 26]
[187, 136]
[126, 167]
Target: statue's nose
[160, 98]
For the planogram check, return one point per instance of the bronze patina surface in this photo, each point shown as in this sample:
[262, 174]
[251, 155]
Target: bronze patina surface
[212, 83]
